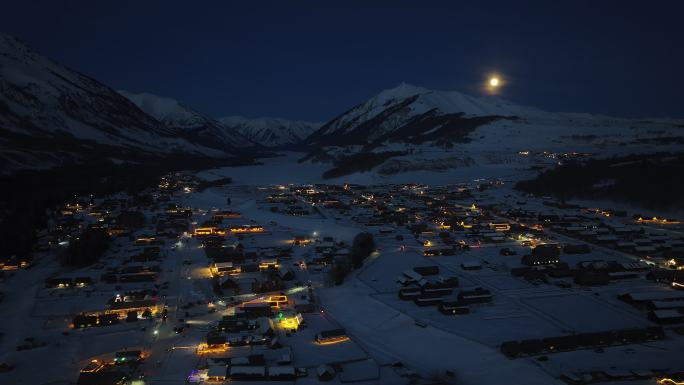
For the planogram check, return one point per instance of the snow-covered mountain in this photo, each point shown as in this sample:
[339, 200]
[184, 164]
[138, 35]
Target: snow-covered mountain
[52, 115]
[175, 115]
[271, 132]
[409, 128]
[408, 113]
[234, 131]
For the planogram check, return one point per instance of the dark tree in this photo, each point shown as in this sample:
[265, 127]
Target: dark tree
[362, 247]
[340, 269]
[87, 248]
[131, 219]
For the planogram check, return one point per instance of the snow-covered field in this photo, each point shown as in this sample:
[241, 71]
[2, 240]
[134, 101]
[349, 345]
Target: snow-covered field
[285, 170]
[390, 333]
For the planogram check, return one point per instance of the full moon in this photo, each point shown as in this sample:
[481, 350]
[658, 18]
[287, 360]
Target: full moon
[494, 82]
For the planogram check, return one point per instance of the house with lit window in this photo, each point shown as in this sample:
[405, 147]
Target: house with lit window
[224, 268]
[247, 229]
[14, 263]
[331, 336]
[208, 231]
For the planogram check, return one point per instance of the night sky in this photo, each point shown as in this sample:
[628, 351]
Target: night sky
[315, 59]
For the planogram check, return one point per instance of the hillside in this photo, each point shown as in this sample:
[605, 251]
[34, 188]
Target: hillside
[175, 115]
[422, 129]
[51, 115]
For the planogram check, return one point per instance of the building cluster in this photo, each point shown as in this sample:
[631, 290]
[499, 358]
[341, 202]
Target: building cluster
[426, 287]
[252, 286]
[655, 245]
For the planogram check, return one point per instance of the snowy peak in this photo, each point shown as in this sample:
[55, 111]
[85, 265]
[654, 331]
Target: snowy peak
[409, 128]
[173, 114]
[402, 91]
[447, 102]
[50, 115]
[271, 132]
[167, 110]
[408, 113]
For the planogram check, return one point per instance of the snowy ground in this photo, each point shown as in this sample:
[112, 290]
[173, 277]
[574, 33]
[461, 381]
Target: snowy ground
[382, 326]
[286, 170]
[392, 334]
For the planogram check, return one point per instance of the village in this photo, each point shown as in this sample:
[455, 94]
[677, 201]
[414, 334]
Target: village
[196, 282]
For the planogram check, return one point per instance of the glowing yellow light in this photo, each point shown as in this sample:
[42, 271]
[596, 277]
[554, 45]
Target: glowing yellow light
[494, 81]
[333, 340]
[277, 299]
[669, 381]
[291, 322]
[203, 348]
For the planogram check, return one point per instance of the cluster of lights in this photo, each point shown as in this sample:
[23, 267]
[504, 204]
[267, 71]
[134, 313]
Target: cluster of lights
[204, 231]
[662, 221]
[289, 321]
[299, 242]
[247, 229]
[203, 348]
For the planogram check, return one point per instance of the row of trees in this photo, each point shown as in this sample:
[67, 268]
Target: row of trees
[652, 181]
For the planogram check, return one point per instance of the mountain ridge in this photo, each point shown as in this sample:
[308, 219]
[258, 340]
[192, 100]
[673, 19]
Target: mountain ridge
[51, 115]
[272, 132]
[174, 114]
[413, 128]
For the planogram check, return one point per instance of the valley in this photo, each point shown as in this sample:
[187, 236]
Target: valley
[152, 234]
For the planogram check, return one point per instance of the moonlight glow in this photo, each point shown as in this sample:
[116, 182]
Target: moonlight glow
[493, 83]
